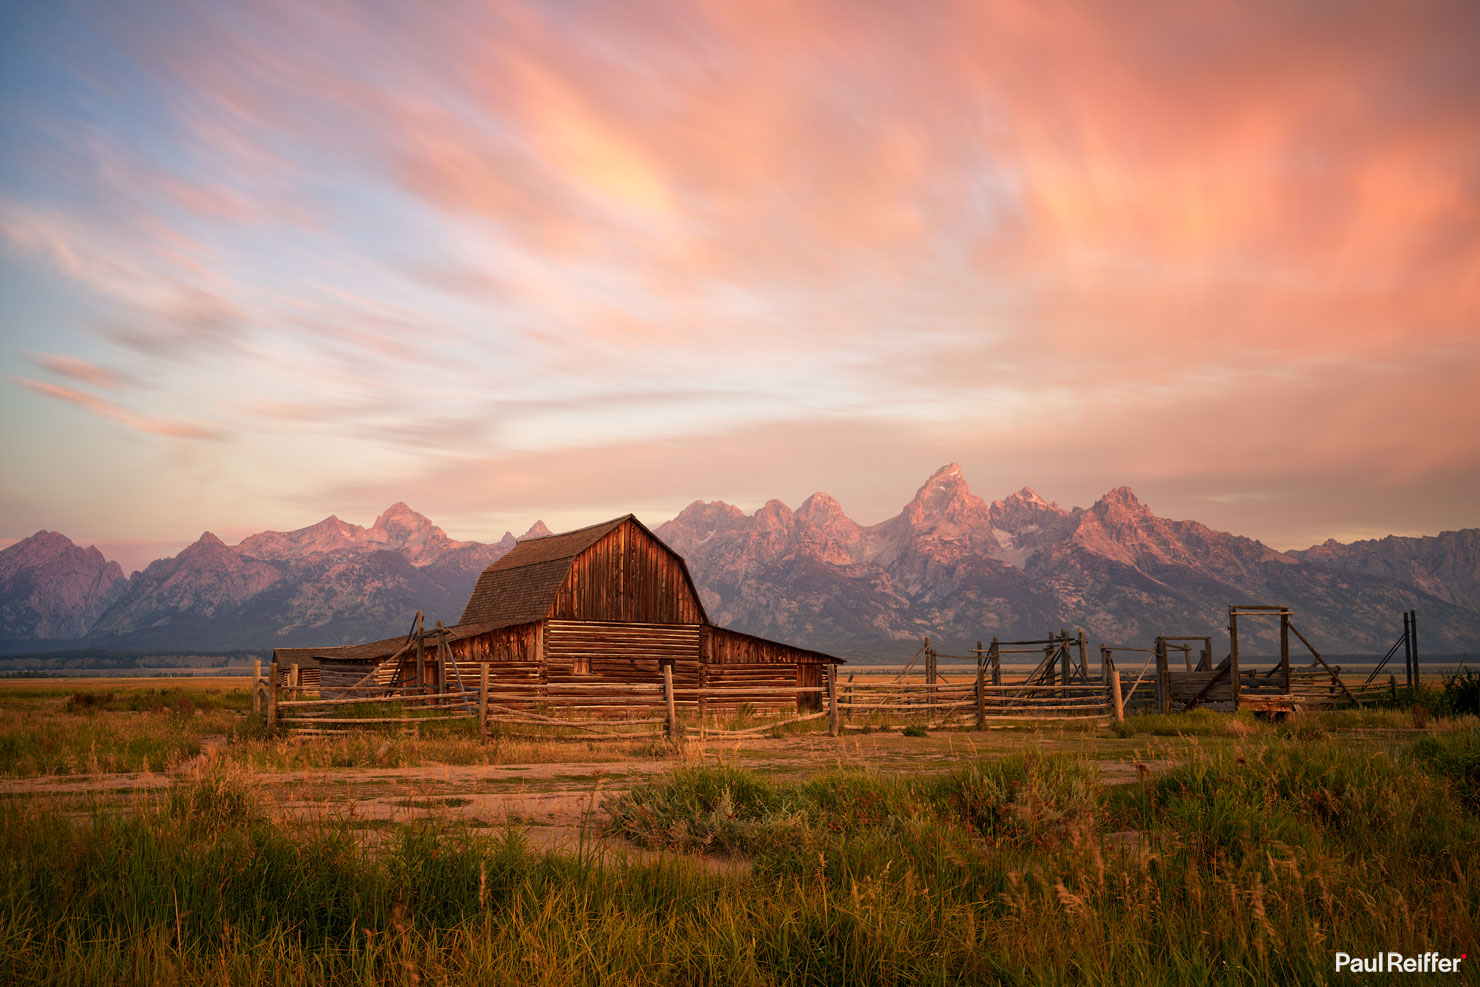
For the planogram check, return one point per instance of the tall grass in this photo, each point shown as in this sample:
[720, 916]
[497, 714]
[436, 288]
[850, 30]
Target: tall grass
[63, 731]
[1024, 870]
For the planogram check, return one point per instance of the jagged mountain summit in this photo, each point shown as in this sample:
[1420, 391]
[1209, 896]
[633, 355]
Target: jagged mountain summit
[329, 582]
[952, 565]
[51, 588]
[949, 564]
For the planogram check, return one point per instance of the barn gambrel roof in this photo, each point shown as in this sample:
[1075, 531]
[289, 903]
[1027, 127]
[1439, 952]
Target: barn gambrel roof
[523, 584]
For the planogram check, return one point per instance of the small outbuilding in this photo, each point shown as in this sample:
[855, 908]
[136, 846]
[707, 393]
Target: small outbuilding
[610, 603]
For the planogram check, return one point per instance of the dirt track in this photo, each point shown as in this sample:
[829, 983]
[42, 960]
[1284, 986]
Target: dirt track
[551, 803]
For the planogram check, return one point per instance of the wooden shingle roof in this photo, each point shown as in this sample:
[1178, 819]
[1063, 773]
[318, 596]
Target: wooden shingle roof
[522, 585]
[373, 651]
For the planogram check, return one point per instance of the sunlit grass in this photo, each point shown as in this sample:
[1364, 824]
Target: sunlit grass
[1226, 869]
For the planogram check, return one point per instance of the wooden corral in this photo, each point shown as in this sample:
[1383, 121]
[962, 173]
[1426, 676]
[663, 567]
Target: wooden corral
[609, 605]
[1157, 685]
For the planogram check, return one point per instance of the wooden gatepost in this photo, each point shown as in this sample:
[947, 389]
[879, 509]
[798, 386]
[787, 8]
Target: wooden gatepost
[1112, 681]
[272, 697]
[834, 729]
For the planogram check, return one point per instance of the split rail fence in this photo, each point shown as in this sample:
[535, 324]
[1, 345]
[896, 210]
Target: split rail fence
[1061, 687]
[662, 710]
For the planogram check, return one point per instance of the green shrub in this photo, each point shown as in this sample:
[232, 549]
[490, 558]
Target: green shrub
[1022, 800]
[1461, 695]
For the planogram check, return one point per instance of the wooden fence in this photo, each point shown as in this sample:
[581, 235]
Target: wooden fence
[635, 710]
[974, 704]
[619, 710]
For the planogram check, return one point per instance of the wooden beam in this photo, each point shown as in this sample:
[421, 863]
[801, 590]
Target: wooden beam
[272, 697]
[1233, 654]
[1163, 678]
[668, 700]
[1413, 632]
[1285, 649]
[833, 729]
[420, 683]
[981, 681]
[1335, 677]
[1112, 676]
[1218, 673]
[483, 702]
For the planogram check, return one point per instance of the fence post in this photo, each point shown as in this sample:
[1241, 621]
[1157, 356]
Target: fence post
[420, 658]
[1112, 675]
[295, 681]
[1234, 678]
[848, 696]
[929, 680]
[832, 700]
[256, 685]
[1066, 660]
[1285, 651]
[996, 662]
[1413, 630]
[668, 698]
[1163, 676]
[1084, 656]
[981, 698]
[272, 696]
[483, 701]
[1393, 686]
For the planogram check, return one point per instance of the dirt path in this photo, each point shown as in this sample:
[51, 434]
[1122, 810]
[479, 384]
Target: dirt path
[556, 803]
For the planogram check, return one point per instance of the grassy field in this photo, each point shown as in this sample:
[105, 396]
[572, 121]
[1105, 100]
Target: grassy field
[1187, 849]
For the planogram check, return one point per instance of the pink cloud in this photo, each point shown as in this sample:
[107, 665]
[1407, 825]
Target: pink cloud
[107, 409]
[84, 370]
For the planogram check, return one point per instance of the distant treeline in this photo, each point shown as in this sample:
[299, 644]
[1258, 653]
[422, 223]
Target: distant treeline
[85, 659]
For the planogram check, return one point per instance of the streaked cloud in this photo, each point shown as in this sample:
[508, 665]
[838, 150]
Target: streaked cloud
[107, 409]
[483, 250]
[83, 370]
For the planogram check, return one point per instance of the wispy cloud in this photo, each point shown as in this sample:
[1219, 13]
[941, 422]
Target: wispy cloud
[1212, 246]
[84, 371]
[107, 409]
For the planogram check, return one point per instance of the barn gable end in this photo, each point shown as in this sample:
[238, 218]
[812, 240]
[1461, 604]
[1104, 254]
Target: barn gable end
[615, 571]
[628, 575]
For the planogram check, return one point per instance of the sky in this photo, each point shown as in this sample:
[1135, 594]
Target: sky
[265, 262]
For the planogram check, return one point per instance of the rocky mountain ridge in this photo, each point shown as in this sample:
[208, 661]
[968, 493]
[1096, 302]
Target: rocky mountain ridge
[52, 588]
[329, 582]
[950, 564]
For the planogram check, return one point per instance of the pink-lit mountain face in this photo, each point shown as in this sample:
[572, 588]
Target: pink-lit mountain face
[329, 582]
[949, 564]
[961, 569]
[51, 588]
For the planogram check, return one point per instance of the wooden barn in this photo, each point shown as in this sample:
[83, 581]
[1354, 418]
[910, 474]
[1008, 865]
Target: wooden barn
[610, 603]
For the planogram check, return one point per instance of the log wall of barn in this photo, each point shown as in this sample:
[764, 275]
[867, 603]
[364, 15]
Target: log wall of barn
[512, 655]
[628, 576]
[339, 679]
[619, 652]
[769, 668]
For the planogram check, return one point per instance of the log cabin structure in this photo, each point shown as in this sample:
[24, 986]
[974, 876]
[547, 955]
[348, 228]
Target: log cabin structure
[609, 604]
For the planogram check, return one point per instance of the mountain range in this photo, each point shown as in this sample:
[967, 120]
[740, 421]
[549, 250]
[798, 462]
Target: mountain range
[950, 565]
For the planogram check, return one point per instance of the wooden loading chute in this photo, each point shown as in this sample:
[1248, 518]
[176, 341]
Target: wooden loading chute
[1264, 691]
